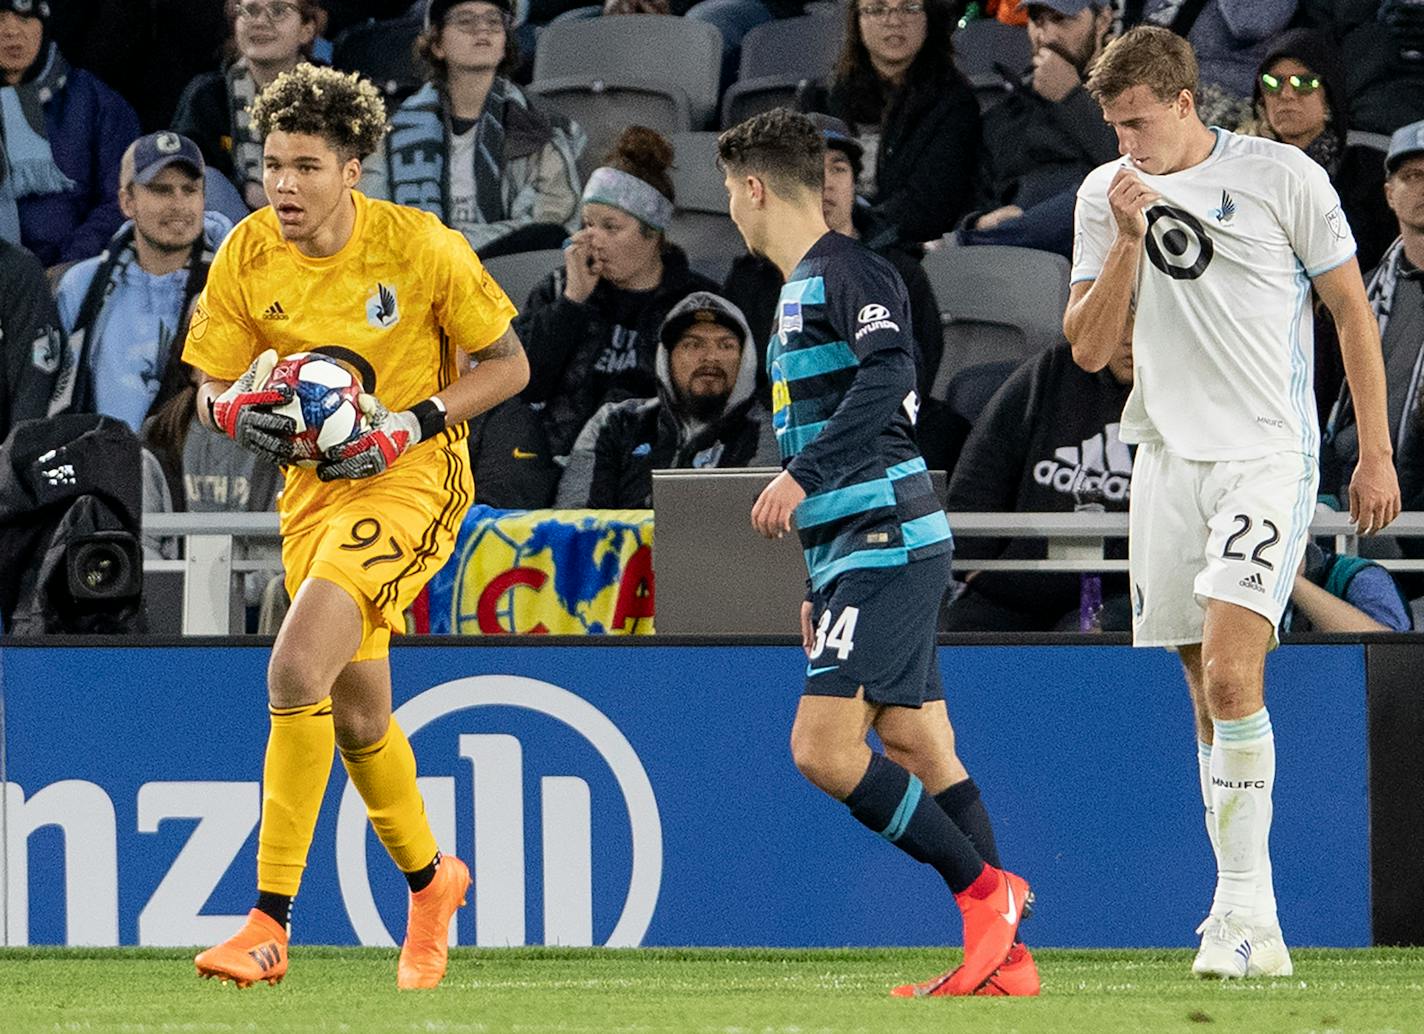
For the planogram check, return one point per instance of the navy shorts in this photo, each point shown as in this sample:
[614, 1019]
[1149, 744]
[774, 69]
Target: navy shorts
[876, 627]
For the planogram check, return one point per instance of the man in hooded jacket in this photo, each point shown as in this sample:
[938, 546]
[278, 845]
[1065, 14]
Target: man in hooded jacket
[705, 413]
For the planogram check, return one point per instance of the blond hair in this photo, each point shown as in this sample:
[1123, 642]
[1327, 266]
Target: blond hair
[1147, 55]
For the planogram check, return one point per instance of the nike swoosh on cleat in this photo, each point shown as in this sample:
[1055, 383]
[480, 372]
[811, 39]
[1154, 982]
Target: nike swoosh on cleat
[1011, 916]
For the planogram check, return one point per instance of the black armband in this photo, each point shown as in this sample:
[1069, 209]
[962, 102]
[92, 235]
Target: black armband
[431, 414]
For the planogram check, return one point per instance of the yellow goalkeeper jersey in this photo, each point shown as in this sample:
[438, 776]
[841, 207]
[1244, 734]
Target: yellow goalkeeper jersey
[396, 301]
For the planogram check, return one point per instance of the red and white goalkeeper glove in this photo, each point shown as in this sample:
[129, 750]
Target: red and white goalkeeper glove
[388, 435]
[244, 411]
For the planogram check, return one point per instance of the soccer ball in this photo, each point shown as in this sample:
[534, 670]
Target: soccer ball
[324, 403]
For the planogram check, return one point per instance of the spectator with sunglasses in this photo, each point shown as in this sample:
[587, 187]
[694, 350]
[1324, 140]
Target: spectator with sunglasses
[471, 147]
[1299, 99]
[269, 37]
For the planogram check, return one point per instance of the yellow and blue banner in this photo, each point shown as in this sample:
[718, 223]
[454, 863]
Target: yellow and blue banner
[547, 572]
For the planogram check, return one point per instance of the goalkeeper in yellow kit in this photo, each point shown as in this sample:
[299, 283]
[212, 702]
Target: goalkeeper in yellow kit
[396, 294]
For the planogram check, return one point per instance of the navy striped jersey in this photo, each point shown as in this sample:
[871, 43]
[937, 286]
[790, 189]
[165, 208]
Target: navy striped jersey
[842, 371]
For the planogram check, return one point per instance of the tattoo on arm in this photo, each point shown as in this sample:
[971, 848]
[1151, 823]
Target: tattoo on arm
[502, 347]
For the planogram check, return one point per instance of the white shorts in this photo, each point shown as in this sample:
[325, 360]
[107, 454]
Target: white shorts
[1230, 530]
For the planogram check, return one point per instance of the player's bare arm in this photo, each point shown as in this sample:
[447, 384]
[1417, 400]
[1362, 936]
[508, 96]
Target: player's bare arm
[772, 512]
[500, 370]
[1099, 311]
[1374, 488]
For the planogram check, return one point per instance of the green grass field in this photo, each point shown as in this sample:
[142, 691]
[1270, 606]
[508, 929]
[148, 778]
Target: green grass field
[649, 991]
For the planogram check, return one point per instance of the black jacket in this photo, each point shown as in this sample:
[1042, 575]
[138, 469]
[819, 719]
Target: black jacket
[566, 343]
[1052, 428]
[1035, 148]
[30, 336]
[612, 463]
[928, 157]
[1384, 84]
[205, 118]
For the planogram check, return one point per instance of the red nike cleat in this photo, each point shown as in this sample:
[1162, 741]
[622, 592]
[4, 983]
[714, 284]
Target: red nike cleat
[256, 952]
[426, 948]
[1017, 977]
[991, 926]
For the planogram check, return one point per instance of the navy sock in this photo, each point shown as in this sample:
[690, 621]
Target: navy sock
[278, 906]
[893, 803]
[961, 802]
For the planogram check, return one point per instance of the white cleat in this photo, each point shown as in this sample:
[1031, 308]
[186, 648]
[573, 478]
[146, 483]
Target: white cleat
[1226, 948]
[1269, 955]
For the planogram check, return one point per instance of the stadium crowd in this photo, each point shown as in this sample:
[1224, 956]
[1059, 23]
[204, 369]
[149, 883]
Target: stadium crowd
[954, 129]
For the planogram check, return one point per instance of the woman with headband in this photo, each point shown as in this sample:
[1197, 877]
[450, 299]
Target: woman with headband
[591, 328]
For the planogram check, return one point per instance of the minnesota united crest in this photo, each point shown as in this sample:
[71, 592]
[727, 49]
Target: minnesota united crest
[1227, 210]
[382, 311]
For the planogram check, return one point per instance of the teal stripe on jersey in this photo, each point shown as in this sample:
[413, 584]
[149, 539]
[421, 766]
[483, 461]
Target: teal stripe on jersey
[845, 502]
[900, 821]
[904, 470]
[812, 362]
[925, 531]
[794, 439]
[823, 571]
[811, 291]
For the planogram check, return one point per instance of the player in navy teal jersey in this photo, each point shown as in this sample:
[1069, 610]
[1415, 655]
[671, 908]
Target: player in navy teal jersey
[877, 547]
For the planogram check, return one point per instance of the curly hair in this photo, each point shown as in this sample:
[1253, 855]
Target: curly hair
[342, 108]
[781, 145]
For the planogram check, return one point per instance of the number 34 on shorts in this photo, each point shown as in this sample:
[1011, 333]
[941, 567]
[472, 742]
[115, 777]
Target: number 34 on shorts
[835, 632]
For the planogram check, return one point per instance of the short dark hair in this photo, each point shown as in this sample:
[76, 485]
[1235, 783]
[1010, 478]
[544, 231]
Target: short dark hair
[782, 146]
[1147, 55]
[342, 108]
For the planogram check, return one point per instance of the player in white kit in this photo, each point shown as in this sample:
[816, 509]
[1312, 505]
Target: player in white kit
[1217, 240]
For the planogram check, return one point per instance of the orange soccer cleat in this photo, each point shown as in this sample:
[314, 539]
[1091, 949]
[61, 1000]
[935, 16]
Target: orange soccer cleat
[426, 948]
[1016, 978]
[256, 952]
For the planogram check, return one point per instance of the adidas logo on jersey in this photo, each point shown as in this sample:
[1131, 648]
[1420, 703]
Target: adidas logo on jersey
[1252, 581]
[275, 312]
[1102, 462]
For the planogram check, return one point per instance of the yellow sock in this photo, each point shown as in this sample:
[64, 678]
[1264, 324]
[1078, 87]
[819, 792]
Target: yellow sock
[294, 775]
[384, 774]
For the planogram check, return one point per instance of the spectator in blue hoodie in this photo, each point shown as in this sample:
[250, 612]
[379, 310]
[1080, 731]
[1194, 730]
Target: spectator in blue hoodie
[63, 133]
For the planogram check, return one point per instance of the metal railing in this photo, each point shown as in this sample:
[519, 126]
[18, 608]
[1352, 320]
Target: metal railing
[1075, 543]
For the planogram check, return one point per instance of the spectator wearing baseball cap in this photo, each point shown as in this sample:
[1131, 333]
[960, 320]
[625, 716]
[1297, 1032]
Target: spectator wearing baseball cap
[125, 310]
[754, 283]
[268, 37]
[471, 147]
[705, 413]
[63, 132]
[1047, 133]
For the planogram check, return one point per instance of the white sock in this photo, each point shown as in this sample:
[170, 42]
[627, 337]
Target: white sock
[1243, 773]
[1204, 774]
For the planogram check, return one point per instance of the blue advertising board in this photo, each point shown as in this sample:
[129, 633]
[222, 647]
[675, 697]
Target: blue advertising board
[631, 795]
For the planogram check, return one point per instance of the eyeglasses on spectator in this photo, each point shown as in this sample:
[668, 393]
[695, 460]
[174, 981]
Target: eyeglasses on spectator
[1298, 83]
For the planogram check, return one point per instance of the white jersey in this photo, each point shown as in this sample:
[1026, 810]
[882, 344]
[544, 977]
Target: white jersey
[1223, 343]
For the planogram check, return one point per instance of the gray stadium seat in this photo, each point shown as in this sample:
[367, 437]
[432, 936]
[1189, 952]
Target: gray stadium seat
[383, 51]
[985, 51]
[712, 242]
[996, 303]
[520, 274]
[677, 52]
[777, 58]
[605, 106]
[696, 179]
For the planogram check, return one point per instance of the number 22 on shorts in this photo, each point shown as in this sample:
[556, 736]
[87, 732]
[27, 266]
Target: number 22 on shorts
[839, 636]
